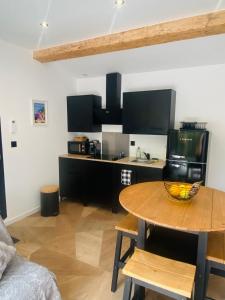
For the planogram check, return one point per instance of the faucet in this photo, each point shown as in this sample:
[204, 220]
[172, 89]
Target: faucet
[147, 155]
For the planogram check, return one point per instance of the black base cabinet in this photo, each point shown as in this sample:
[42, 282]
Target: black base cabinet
[71, 176]
[96, 181]
[85, 180]
[139, 174]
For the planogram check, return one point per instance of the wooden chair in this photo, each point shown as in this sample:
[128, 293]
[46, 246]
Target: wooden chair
[166, 276]
[128, 227]
[215, 256]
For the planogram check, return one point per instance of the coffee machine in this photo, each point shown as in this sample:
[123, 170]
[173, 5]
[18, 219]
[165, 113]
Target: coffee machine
[95, 148]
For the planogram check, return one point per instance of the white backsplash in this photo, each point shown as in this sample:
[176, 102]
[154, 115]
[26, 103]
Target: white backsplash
[112, 128]
[153, 144]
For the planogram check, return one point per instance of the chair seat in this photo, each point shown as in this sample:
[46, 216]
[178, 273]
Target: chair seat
[216, 247]
[128, 224]
[174, 276]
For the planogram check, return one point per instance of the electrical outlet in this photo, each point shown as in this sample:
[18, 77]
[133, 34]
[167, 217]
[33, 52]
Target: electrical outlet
[132, 143]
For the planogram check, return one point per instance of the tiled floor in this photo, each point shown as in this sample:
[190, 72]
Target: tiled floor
[78, 246]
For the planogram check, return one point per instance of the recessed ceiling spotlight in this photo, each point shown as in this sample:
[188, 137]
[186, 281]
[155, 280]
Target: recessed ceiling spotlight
[119, 3]
[44, 24]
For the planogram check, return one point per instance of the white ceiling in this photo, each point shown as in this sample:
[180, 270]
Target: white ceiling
[72, 20]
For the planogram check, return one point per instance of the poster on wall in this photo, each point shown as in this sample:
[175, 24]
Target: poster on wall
[39, 112]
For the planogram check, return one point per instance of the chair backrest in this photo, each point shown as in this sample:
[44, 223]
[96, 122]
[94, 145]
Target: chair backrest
[4, 235]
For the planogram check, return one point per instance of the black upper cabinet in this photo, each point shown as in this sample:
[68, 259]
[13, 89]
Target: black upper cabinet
[149, 112]
[80, 113]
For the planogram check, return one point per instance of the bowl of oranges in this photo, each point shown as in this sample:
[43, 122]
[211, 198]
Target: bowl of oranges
[182, 191]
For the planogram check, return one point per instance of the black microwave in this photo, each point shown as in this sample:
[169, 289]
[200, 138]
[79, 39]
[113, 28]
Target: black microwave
[78, 147]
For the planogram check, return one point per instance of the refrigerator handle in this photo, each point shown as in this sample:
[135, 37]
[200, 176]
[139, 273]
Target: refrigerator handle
[178, 156]
[175, 165]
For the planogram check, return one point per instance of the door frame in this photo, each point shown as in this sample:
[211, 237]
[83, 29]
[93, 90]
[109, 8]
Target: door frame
[3, 208]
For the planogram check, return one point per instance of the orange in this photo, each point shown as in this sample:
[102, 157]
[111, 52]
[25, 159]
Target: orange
[174, 190]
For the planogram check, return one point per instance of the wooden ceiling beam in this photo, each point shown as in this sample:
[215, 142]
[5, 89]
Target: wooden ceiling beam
[181, 29]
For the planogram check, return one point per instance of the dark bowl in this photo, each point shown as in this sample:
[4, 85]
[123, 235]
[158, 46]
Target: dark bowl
[182, 191]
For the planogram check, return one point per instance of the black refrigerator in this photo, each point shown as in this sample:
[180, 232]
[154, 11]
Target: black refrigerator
[186, 158]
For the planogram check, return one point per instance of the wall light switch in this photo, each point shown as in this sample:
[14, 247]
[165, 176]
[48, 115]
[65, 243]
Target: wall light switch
[132, 143]
[13, 144]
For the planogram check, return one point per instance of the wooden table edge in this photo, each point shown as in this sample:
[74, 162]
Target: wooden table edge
[184, 229]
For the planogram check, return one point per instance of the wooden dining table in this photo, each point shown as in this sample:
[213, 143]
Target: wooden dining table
[151, 203]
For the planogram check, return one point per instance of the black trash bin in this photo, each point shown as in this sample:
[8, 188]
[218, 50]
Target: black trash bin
[49, 200]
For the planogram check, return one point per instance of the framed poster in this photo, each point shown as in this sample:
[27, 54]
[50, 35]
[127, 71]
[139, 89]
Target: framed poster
[39, 112]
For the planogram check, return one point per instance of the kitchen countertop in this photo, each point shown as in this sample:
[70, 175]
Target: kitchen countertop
[126, 161]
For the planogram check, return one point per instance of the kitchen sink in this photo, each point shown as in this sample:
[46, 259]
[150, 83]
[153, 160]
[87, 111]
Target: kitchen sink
[145, 161]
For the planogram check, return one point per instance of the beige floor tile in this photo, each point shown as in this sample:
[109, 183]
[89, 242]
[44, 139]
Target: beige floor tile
[88, 247]
[64, 244]
[87, 211]
[25, 249]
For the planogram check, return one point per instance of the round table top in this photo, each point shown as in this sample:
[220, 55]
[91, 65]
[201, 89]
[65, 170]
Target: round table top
[151, 202]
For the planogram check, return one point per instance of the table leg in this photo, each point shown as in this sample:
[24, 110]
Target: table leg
[139, 293]
[201, 265]
[141, 234]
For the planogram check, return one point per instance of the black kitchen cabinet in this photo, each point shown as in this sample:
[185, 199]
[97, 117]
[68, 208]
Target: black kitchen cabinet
[144, 174]
[149, 112]
[71, 176]
[85, 180]
[97, 181]
[80, 113]
[139, 174]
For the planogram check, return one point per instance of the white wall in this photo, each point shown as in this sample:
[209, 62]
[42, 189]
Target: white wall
[35, 161]
[200, 96]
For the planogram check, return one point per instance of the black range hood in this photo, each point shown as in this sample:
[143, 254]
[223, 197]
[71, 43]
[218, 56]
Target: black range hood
[112, 114]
